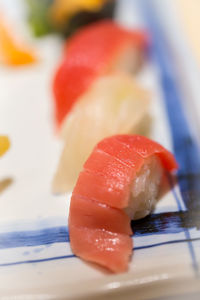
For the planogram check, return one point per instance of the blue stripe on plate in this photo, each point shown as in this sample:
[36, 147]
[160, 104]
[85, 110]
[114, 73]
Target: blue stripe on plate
[72, 255]
[33, 238]
[185, 147]
[161, 223]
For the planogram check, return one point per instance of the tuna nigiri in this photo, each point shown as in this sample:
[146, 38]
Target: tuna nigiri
[100, 48]
[114, 104]
[120, 181]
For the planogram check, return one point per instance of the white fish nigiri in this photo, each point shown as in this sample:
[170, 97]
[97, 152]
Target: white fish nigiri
[115, 104]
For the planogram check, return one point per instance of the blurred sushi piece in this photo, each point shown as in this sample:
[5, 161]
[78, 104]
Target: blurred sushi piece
[113, 104]
[101, 48]
[120, 181]
[66, 16]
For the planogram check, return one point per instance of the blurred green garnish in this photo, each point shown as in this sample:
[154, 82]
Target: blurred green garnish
[65, 16]
[38, 16]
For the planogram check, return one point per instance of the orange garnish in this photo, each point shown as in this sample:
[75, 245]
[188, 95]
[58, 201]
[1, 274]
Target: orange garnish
[12, 51]
[4, 144]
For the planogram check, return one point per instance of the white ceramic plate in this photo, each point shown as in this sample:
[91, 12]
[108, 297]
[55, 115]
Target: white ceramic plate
[36, 261]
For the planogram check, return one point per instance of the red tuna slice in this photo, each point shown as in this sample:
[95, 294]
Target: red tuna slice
[69, 83]
[106, 179]
[99, 45]
[108, 249]
[120, 151]
[95, 215]
[146, 147]
[96, 49]
[104, 188]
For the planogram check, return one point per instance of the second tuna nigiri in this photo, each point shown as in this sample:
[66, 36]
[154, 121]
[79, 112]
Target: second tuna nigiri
[120, 181]
[97, 49]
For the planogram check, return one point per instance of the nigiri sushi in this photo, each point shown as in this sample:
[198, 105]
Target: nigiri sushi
[120, 181]
[100, 48]
[114, 104]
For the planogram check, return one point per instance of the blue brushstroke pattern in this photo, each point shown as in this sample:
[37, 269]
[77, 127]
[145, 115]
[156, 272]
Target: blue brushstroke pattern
[34, 238]
[73, 256]
[164, 223]
[185, 147]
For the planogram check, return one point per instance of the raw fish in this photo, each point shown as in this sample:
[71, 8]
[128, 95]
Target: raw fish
[114, 104]
[120, 181]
